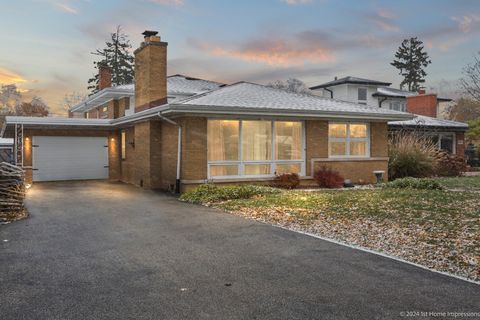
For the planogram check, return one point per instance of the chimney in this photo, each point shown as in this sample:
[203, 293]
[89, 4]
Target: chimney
[421, 91]
[336, 78]
[104, 76]
[150, 72]
[423, 104]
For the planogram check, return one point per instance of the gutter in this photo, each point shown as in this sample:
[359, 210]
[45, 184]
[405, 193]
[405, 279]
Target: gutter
[179, 149]
[331, 92]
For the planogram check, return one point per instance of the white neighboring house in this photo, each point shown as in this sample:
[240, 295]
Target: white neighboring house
[448, 135]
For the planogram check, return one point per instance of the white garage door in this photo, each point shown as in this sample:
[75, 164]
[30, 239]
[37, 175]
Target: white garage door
[69, 158]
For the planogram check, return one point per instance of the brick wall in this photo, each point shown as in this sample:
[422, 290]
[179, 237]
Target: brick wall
[424, 104]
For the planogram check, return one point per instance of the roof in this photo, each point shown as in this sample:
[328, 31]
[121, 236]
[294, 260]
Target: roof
[4, 141]
[392, 92]
[424, 121]
[353, 80]
[245, 97]
[57, 121]
[176, 85]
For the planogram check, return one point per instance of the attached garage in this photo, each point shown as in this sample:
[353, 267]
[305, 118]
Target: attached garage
[69, 158]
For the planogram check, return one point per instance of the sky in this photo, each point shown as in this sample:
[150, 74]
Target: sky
[46, 45]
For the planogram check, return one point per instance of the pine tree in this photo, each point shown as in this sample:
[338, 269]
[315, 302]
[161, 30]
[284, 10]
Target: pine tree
[117, 55]
[411, 60]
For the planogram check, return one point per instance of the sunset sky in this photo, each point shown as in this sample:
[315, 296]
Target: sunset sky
[46, 44]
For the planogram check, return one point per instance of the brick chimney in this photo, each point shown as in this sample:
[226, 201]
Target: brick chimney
[423, 104]
[150, 72]
[104, 76]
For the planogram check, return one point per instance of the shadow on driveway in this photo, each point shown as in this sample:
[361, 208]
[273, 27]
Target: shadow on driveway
[99, 250]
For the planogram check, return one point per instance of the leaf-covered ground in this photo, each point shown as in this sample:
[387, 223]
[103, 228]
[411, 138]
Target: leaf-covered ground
[435, 228]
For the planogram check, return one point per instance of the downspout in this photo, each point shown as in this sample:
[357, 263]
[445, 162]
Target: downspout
[331, 92]
[179, 149]
[381, 101]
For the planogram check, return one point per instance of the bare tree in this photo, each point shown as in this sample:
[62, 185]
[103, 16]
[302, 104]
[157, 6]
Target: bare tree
[10, 99]
[470, 82]
[291, 85]
[72, 99]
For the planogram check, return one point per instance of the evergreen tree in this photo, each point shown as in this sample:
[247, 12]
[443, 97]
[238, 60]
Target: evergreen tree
[411, 60]
[117, 55]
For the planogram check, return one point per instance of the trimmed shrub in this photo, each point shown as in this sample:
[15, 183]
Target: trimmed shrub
[411, 156]
[207, 193]
[328, 178]
[450, 165]
[414, 183]
[286, 181]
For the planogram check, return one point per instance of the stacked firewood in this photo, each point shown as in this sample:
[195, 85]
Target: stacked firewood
[12, 192]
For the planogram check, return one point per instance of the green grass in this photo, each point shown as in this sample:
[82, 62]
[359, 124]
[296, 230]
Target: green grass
[467, 183]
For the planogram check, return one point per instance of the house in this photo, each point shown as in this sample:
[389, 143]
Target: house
[176, 132]
[447, 135]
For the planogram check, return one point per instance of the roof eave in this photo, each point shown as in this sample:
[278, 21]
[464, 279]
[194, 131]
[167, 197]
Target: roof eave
[199, 109]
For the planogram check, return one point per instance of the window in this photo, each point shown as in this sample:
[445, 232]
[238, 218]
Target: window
[362, 95]
[254, 148]
[124, 144]
[397, 106]
[348, 140]
[444, 141]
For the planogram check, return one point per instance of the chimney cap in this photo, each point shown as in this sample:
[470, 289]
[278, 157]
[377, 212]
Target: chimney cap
[149, 33]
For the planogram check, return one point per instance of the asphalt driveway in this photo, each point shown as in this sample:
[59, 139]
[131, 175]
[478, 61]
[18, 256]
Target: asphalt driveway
[97, 250]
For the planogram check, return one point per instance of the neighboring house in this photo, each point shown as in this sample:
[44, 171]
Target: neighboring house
[239, 133]
[448, 135]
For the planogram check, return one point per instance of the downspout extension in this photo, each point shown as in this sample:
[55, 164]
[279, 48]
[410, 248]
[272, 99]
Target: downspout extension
[331, 92]
[179, 150]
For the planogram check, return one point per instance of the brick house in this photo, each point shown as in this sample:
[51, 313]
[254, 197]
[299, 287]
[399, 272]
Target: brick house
[176, 132]
[447, 135]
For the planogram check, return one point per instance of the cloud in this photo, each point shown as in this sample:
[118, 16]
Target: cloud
[10, 77]
[296, 2]
[167, 2]
[66, 8]
[385, 20]
[297, 50]
[466, 22]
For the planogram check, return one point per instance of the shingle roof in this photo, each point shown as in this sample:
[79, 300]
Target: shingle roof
[353, 80]
[244, 96]
[392, 92]
[424, 121]
[176, 85]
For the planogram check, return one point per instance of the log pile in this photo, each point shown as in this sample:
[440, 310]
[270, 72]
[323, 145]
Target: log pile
[12, 193]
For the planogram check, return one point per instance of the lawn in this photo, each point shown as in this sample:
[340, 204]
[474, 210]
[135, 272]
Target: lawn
[468, 183]
[439, 229]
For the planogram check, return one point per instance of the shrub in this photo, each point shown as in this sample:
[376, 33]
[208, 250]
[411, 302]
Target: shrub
[411, 156]
[286, 181]
[207, 193]
[450, 165]
[414, 183]
[328, 178]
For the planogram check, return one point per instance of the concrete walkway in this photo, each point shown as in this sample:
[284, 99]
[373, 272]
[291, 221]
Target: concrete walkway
[95, 250]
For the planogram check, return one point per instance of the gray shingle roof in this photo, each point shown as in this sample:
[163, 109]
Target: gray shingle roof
[350, 79]
[245, 96]
[424, 121]
[392, 92]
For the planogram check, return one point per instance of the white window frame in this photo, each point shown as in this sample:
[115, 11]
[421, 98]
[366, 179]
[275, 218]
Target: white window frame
[348, 139]
[366, 95]
[273, 162]
[439, 143]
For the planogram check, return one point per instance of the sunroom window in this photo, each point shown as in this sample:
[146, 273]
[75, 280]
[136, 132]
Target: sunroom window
[348, 140]
[239, 148]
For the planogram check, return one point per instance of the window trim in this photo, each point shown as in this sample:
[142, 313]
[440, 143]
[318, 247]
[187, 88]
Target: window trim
[348, 139]
[273, 162]
[445, 133]
[361, 101]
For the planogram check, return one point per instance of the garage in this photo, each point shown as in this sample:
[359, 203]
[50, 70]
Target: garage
[56, 158]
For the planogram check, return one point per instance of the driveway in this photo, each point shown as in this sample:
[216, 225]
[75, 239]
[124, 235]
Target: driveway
[98, 250]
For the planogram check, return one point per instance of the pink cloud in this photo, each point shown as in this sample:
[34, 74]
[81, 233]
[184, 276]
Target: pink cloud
[168, 2]
[67, 8]
[296, 2]
[466, 22]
